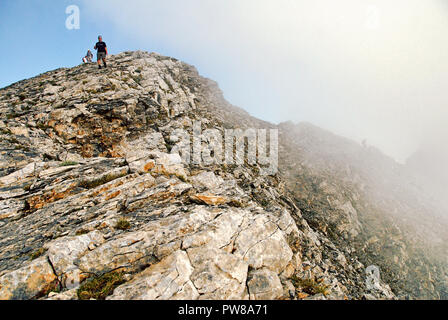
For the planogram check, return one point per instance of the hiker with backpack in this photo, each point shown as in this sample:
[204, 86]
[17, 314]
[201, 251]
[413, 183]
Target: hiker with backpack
[88, 58]
[101, 48]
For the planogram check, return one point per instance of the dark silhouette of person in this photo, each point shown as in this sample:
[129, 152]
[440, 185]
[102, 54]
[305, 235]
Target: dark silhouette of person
[101, 48]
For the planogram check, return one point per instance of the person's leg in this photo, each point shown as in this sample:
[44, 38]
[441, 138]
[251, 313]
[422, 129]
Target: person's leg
[104, 61]
[99, 61]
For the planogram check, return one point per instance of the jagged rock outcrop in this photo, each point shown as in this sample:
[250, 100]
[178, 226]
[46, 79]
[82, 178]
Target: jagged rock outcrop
[93, 192]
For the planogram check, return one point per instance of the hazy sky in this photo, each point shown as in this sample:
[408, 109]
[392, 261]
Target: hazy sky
[374, 70]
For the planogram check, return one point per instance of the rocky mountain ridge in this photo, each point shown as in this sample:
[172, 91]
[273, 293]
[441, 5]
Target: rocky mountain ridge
[95, 205]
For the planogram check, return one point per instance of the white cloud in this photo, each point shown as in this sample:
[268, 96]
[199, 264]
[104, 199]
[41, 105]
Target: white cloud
[364, 69]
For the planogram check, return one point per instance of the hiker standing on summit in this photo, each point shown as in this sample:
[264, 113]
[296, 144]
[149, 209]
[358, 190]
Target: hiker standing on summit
[101, 48]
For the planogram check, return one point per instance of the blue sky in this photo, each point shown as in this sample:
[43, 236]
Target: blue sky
[364, 69]
[35, 39]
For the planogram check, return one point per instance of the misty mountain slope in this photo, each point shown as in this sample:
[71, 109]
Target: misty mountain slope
[95, 189]
[371, 205]
[430, 163]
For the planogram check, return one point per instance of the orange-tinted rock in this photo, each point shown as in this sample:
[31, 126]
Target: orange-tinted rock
[40, 201]
[209, 200]
[149, 166]
[302, 295]
[113, 195]
[32, 281]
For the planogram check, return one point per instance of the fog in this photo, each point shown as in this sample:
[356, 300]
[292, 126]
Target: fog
[367, 70]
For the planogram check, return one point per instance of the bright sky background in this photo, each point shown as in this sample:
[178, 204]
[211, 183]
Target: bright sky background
[365, 69]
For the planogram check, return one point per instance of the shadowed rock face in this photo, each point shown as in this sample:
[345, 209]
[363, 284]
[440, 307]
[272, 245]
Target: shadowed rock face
[89, 187]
